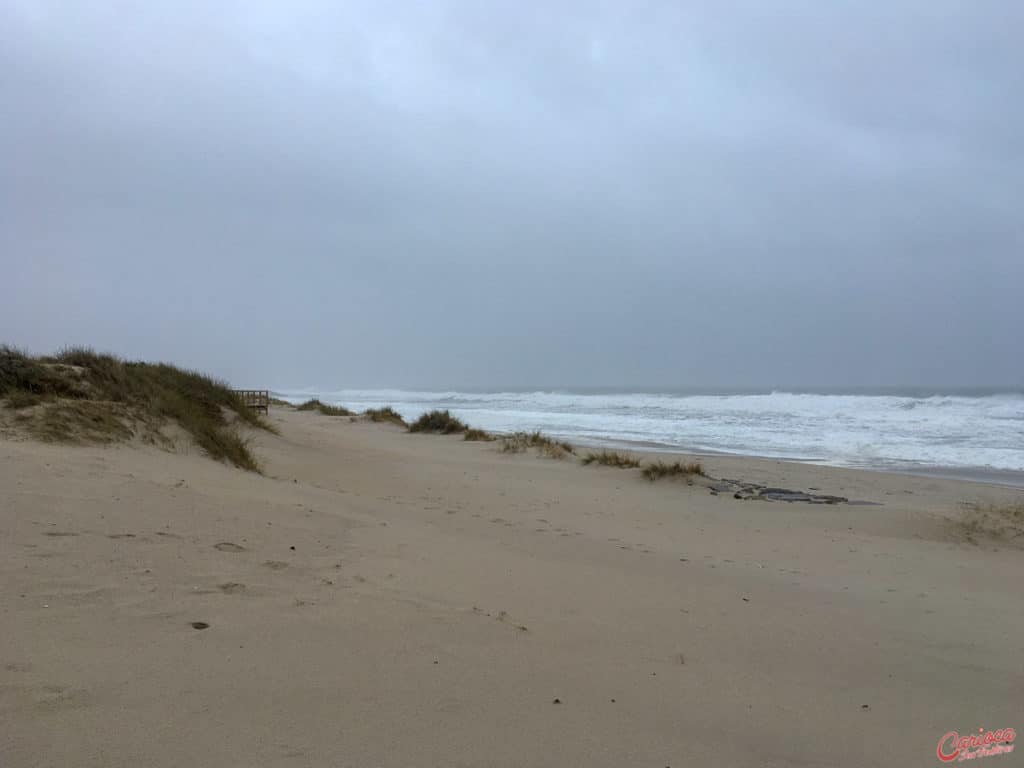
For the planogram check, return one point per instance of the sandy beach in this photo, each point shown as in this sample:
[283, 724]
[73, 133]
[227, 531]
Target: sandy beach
[379, 598]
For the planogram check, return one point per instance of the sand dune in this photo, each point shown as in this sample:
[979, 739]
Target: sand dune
[385, 599]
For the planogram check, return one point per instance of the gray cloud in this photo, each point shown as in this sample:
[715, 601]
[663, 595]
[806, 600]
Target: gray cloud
[468, 194]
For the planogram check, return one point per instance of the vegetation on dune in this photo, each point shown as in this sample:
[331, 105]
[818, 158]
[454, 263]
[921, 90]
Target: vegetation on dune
[439, 422]
[68, 421]
[387, 413]
[18, 399]
[23, 377]
[610, 459]
[82, 396]
[1004, 522]
[555, 450]
[518, 442]
[659, 469]
[280, 403]
[324, 408]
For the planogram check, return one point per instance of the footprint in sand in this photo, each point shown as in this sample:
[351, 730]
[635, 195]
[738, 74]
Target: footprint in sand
[231, 588]
[275, 565]
[60, 533]
[227, 546]
[120, 535]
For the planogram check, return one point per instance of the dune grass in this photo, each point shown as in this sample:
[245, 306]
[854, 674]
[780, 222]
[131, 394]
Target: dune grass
[438, 422]
[519, 442]
[554, 450]
[18, 399]
[610, 459]
[479, 435]
[80, 395]
[387, 413]
[1002, 522]
[23, 377]
[324, 408]
[659, 469]
[80, 421]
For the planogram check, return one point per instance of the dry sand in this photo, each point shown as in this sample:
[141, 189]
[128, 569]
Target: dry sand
[386, 599]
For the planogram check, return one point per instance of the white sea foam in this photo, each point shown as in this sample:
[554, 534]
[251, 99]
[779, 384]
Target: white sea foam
[881, 431]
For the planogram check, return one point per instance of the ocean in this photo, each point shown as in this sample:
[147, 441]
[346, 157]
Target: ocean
[900, 430]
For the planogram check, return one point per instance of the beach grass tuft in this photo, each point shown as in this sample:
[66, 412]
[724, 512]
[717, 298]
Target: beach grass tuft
[478, 434]
[519, 442]
[324, 408]
[555, 450]
[611, 459]
[659, 469]
[387, 413]
[438, 422]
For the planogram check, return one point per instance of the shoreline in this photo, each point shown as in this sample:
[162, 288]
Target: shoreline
[974, 441]
[1007, 478]
[1003, 478]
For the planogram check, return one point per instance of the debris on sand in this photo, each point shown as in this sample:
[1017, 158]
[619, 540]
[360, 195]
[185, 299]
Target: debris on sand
[745, 490]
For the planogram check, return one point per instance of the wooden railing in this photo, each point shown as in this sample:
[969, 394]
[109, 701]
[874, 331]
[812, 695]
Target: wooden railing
[257, 399]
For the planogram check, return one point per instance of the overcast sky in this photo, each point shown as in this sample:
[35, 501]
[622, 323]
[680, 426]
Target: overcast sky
[478, 194]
